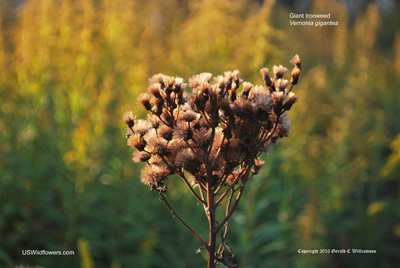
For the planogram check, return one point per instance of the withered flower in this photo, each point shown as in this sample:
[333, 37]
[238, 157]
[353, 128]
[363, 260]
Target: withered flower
[141, 156]
[279, 71]
[281, 84]
[296, 61]
[128, 118]
[189, 115]
[295, 75]
[137, 142]
[292, 99]
[257, 165]
[166, 132]
[143, 99]
[155, 90]
[142, 127]
[266, 78]
[296, 70]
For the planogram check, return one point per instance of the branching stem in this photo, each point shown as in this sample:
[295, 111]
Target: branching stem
[179, 219]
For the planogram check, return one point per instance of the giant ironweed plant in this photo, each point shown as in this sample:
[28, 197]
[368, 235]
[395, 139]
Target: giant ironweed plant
[212, 139]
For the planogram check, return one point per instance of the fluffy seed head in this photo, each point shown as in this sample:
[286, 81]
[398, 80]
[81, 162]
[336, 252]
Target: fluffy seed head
[292, 99]
[166, 132]
[144, 100]
[128, 118]
[296, 61]
[257, 165]
[142, 127]
[221, 81]
[189, 116]
[136, 141]
[279, 71]
[295, 75]
[157, 78]
[139, 156]
[247, 87]
[278, 96]
[196, 80]
[281, 84]
[266, 78]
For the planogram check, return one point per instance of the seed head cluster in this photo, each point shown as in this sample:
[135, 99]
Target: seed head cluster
[214, 133]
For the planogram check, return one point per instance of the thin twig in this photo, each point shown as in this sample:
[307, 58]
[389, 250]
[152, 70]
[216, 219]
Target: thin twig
[191, 189]
[179, 219]
[240, 176]
[223, 235]
[180, 174]
[239, 195]
[268, 136]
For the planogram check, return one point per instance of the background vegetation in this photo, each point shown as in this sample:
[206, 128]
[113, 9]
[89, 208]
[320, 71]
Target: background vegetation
[70, 69]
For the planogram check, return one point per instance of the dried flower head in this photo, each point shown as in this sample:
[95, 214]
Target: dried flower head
[189, 115]
[141, 156]
[221, 81]
[278, 97]
[155, 90]
[166, 132]
[233, 176]
[246, 88]
[144, 100]
[142, 127]
[296, 61]
[279, 71]
[196, 80]
[295, 75]
[128, 118]
[129, 133]
[154, 176]
[136, 141]
[296, 69]
[157, 78]
[292, 99]
[158, 146]
[154, 120]
[266, 78]
[281, 84]
[257, 165]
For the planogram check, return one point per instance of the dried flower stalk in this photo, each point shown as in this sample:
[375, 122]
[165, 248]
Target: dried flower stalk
[211, 138]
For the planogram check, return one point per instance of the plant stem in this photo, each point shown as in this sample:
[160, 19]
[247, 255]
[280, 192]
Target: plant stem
[211, 225]
[239, 195]
[212, 262]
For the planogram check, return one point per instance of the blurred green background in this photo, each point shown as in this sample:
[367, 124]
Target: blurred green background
[70, 69]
